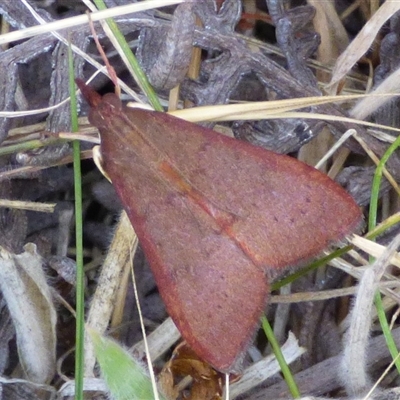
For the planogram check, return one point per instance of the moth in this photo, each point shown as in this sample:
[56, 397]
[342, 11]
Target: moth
[218, 219]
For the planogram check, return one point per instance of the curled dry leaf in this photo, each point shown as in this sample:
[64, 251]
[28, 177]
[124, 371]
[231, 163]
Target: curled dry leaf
[28, 297]
[206, 382]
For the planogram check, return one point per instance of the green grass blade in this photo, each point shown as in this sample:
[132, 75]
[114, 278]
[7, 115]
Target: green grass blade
[79, 237]
[287, 374]
[138, 73]
[373, 211]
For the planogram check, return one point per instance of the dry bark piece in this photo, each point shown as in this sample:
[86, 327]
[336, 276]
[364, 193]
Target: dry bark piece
[170, 48]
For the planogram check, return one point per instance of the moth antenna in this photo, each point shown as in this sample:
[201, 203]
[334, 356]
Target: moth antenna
[110, 68]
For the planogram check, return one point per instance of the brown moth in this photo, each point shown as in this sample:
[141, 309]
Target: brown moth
[216, 217]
